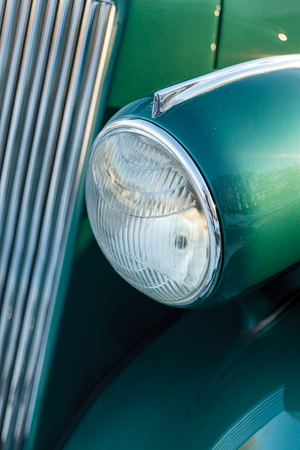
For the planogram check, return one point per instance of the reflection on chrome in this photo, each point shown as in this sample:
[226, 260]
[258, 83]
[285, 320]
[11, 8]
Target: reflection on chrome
[282, 37]
[171, 96]
[252, 421]
[274, 434]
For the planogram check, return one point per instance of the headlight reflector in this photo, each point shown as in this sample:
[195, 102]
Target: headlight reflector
[152, 214]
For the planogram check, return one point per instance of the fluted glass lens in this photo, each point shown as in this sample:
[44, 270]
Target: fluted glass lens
[146, 216]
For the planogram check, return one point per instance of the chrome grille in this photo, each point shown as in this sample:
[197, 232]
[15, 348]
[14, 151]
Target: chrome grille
[53, 59]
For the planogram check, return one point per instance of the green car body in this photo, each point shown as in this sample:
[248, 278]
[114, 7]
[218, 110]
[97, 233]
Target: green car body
[123, 372]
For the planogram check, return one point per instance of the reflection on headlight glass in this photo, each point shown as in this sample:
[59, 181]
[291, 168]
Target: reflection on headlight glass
[146, 216]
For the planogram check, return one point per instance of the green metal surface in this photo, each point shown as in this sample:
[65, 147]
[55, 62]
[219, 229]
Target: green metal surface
[202, 386]
[164, 42]
[245, 138]
[254, 29]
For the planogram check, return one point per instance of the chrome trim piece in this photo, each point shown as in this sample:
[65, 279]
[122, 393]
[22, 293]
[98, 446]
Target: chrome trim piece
[209, 207]
[2, 11]
[171, 96]
[56, 64]
[251, 422]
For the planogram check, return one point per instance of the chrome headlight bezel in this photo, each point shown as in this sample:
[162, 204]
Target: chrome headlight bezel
[179, 154]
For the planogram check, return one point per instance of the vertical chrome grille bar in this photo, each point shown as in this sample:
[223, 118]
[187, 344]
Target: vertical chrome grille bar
[10, 177]
[36, 214]
[22, 257]
[45, 104]
[35, 190]
[81, 131]
[15, 298]
[50, 118]
[2, 12]
[12, 45]
[8, 31]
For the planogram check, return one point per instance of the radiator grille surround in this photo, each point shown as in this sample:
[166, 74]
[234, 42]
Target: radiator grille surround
[53, 60]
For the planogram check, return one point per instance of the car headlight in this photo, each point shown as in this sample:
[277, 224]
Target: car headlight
[152, 213]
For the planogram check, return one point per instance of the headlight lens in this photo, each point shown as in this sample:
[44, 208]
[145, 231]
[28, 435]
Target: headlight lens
[152, 214]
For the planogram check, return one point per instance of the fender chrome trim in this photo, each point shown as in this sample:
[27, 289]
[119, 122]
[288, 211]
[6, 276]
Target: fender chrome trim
[171, 96]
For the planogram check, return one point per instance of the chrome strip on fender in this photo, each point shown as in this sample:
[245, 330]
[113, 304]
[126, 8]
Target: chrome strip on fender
[53, 72]
[252, 421]
[171, 96]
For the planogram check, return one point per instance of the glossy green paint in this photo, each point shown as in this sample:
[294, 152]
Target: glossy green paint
[245, 138]
[164, 42]
[200, 385]
[254, 29]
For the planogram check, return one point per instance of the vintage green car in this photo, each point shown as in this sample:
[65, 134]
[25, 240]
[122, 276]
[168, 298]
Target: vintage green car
[191, 190]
